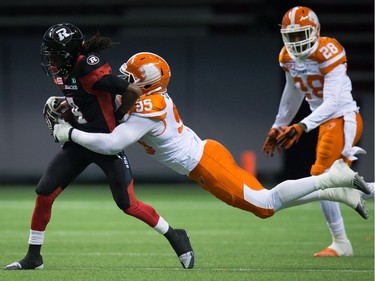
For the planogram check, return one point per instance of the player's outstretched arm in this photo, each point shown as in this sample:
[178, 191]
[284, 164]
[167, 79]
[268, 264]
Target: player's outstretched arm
[121, 137]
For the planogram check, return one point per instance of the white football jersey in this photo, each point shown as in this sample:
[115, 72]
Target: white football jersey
[321, 80]
[168, 140]
[153, 122]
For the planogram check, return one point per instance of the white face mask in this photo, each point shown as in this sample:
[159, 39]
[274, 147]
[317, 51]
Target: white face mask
[299, 40]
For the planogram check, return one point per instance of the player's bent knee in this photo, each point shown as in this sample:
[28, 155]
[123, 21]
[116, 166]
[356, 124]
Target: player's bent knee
[45, 190]
[122, 203]
[123, 206]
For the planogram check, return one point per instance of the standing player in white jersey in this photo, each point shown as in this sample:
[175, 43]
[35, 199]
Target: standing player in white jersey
[315, 70]
[154, 122]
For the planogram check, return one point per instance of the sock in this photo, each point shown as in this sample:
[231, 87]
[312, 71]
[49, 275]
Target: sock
[36, 237]
[340, 242]
[324, 180]
[335, 222]
[162, 226]
[291, 190]
[43, 209]
[311, 197]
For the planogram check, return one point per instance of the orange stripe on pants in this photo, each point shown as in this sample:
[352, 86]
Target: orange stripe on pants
[218, 173]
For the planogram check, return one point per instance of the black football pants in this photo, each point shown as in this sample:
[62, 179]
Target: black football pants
[73, 159]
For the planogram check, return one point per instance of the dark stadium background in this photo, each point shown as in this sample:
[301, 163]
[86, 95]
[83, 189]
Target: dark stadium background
[225, 81]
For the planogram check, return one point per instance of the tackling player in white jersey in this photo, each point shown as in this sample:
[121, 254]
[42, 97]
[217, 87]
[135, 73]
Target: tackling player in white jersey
[155, 123]
[315, 70]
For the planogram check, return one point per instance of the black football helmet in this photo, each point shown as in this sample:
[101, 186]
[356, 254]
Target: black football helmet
[62, 44]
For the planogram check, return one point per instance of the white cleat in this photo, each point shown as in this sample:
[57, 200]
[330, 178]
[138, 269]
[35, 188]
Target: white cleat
[340, 175]
[337, 249]
[348, 196]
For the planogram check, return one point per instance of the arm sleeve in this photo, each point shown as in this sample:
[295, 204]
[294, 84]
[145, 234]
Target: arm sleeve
[121, 137]
[111, 83]
[333, 82]
[290, 103]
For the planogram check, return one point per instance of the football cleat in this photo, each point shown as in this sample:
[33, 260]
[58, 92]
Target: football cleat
[187, 260]
[362, 209]
[327, 252]
[27, 263]
[348, 196]
[360, 184]
[181, 245]
[340, 175]
[342, 249]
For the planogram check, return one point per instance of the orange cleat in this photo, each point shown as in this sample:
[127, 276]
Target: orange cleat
[327, 252]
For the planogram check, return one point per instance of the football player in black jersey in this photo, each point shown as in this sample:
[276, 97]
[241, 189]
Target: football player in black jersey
[90, 88]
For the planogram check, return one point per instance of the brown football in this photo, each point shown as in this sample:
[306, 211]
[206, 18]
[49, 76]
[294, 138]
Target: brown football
[65, 111]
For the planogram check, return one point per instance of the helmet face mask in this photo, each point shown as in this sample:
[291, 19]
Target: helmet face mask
[299, 42]
[129, 77]
[60, 48]
[56, 63]
[150, 72]
[300, 31]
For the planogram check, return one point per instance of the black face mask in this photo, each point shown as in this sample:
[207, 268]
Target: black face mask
[56, 63]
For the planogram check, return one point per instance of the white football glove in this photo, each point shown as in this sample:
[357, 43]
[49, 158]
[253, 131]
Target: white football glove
[62, 131]
[50, 111]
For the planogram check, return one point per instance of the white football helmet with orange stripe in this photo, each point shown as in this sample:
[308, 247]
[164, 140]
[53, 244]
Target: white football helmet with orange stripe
[300, 30]
[148, 71]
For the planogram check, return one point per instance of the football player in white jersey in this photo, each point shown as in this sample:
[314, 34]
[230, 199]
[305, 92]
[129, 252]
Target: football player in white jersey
[155, 123]
[315, 70]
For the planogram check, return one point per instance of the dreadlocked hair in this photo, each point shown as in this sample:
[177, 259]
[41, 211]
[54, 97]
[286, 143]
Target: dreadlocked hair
[97, 43]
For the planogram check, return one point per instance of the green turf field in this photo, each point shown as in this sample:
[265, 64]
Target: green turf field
[88, 238]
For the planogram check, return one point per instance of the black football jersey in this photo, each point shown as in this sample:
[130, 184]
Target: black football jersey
[93, 109]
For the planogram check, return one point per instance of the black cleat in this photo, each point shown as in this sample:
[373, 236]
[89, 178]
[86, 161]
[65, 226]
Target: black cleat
[181, 245]
[27, 263]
